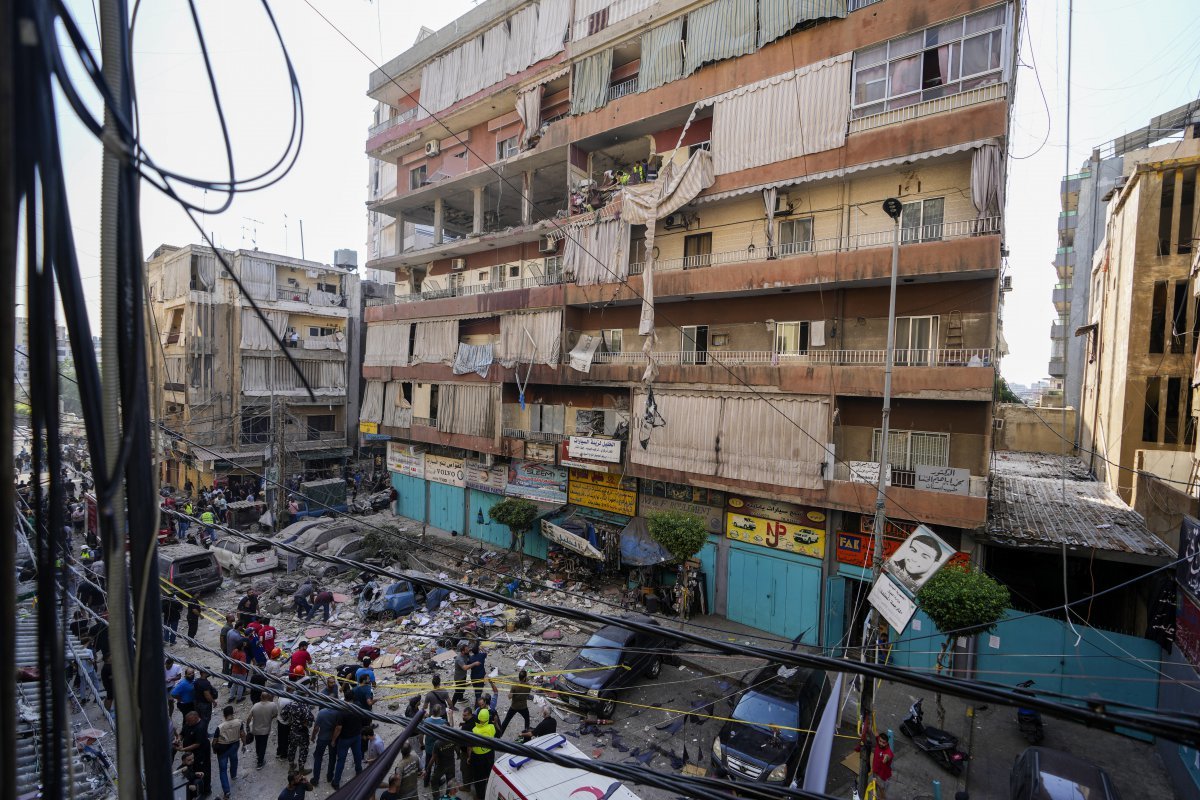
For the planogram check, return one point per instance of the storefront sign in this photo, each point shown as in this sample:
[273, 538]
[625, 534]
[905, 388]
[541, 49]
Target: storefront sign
[605, 492]
[684, 493]
[491, 479]
[592, 448]
[915, 562]
[776, 524]
[776, 510]
[1187, 629]
[450, 471]
[406, 459]
[868, 472]
[714, 518]
[545, 483]
[1187, 572]
[570, 540]
[949, 480]
[858, 549]
[368, 427]
[541, 451]
[892, 603]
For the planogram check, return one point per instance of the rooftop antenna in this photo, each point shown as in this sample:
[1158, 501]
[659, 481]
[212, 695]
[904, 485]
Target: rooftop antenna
[285, 238]
[254, 223]
[302, 239]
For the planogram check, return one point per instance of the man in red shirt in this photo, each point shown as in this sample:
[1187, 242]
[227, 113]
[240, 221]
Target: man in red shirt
[238, 670]
[256, 626]
[266, 634]
[301, 658]
[881, 765]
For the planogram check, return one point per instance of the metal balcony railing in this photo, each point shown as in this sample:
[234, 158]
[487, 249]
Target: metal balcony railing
[428, 422]
[292, 293]
[533, 436]
[619, 90]
[982, 94]
[938, 357]
[387, 124]
[464, 290]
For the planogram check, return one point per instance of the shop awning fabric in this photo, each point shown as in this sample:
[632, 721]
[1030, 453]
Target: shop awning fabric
[638, 549]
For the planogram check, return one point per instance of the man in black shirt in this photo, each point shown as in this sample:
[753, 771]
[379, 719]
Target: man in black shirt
[172, 610]
[548, 724]
[206, 698]
[347, 736]
[194, 739]
[248, 608]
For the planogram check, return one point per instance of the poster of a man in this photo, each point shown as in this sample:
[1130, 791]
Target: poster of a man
[921, 555]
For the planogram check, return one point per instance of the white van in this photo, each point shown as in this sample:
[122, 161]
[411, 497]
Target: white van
[240, 557]
[521, 778]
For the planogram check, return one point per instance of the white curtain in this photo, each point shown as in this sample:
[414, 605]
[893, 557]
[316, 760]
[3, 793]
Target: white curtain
[372, 404]
[397, 412]
[987, 180]
[468, 409]
[258, 278]
[177, 276]
[475, 358]
[597, 253]
[387, 344]
[529, 109]
[583, 352]
[517, 330]
[206, 271]
[778, 441]
[662, 55]
[722, 29]
[256, 335]
[553, 19]
[522, 40]
[684, 439]
[777, 17]
[331, 375]
[589, 83]
[336, 341]
[316, 297]
[782, 117]
[436, 342]
[256, 375]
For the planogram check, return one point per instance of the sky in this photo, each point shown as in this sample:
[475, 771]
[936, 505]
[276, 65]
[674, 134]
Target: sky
[1131, 60]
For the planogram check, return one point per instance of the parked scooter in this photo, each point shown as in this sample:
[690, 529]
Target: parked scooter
[1029, 720]
[938, 744]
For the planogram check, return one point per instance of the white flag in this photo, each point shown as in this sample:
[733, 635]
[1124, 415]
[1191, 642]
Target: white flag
[817, 771]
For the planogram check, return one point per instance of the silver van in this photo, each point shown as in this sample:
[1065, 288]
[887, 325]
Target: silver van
[189, 567]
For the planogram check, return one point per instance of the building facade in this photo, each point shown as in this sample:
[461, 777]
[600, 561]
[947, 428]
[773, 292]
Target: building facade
[232, 406]
[657, 277]
[1137, 402]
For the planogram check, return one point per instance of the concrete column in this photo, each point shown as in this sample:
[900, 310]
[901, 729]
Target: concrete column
[526, 203]
[399, 233]
[439, 219]
[477, 210]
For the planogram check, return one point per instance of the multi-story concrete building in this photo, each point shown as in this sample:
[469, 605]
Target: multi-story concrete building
[1137, 405]
[703, 180]
[232, 405]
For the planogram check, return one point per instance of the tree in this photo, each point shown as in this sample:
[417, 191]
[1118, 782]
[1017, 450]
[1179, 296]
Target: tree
[517, 514]
[682, 535]
[1004, 393]
[961, 602]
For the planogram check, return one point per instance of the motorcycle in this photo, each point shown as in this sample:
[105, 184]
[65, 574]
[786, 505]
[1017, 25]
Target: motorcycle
[940, 745]
[1029, 720]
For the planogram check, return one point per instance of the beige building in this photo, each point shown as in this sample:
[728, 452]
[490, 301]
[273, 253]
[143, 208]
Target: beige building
[1137, 401]
[225, 391]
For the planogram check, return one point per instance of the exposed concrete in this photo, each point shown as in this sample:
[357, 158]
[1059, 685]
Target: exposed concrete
[1163, 506]
[1033, 429]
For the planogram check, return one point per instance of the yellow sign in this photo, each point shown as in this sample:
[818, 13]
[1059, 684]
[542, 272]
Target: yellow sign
[368, 427]
[789, 536]
[602, 491]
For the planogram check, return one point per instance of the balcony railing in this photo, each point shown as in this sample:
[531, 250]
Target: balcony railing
[428, 422]
[465, 290]
[387, 124]
[927, 233]
[907, 479]
[979, 357]
[296, 294]
[619, 90]
[982, 94]
[533, 436]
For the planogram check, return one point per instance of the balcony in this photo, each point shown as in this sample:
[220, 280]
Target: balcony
[466, 290]
[1062, 297]
[1065, 257]
[1068, 220]
[973, 357]
[618, 90]
[428, 422]
[982, 94]
[1058, 331]
[533, 436]
[988, 226]
[388, 124]
[1057, 368]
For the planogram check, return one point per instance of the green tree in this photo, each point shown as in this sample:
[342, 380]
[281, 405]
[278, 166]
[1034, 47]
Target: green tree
[961, 602]
[1004, 394]
[682, 535]
[517, 514]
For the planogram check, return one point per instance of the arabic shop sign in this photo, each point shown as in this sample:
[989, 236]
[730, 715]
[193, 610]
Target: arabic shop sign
[603, 491]
[777, 525]
[714, 518]
[493, 479]
[541, 451]
[593, 448]
[406, 459]
[450, 471]
[1187, 629]
[545, 483]
[684, 493]
[949, 480]
[858, 549]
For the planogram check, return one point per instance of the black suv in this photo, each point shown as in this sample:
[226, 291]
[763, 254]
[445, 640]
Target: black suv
[611, 660]
[763, 744]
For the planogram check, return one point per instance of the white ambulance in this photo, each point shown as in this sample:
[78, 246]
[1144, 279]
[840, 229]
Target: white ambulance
[521, 778]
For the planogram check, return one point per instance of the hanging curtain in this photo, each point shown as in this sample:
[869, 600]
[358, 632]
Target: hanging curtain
[206, 271]
[335, 341]
[529, 109]
[468, 409]
[553, 19]
[531, 337]
[332, 375]
[176, 276]
[258, 278]
[255, 375]
[722, 29]
[782, 117]
[256, 335]
[372, 404]
[773, 440]
[769, 198]
[436, 342]
[397, 412]
[662, 55]
[387, 344]
[987, 180]
[686, 436]
[778, 17]
[475, 358]
[597, 253]
[589, 84]
[583, 352]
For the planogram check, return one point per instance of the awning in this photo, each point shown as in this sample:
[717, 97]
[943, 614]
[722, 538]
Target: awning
[569, 540]
[638, 549]
[236, 458]
[329, 452]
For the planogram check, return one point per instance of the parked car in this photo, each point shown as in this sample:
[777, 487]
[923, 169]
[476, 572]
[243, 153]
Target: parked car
[628, 654]
[348, 545]
[313, 539]
[763, 743]
[1041, 773]
[397, 600]
[240, 557]
[190, 567]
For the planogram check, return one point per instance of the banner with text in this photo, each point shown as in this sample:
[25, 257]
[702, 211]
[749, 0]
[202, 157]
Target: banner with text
[775, 524]
[603, 491]
[442, 469]
[544, 483]
[493, 479]
[407, 459]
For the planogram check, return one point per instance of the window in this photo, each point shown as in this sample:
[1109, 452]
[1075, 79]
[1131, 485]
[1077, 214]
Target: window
[256, 427]
[1158, 316]
[328, 288]
[791, 338]
[1189, 429]
[507, 148]
[1150, 412]
[1171, 424]
[597, 21]
[908, 450]
[916, 341]
[695, 344]
[482, 276]
[456, 283]
[552, 269]
[1179, 327]
[416, 177]
[942, 60]
[321, 423]
[697, 250]
[514, 271]
[1187, 210]
[795, 236]
[196, 282]
[314, 331]
[1166, 210]
[693, 148]
[614, 339]
[922, 220]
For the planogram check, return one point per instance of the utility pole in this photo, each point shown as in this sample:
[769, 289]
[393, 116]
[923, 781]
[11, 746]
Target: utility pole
[275, 481]
[893, 208]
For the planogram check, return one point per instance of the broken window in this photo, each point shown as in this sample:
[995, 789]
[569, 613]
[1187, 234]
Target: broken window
[1158, 316]
[1179, 326]
[507, 148]
[416, 177]
[1171, 423]
[1150, 412]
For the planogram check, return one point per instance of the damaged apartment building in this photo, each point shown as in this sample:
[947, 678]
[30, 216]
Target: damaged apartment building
[642, 263]
[228, 394]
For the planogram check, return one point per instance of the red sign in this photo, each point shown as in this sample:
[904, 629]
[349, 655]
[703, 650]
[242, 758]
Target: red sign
[895, 530]
[858, 549]
[1187, 629]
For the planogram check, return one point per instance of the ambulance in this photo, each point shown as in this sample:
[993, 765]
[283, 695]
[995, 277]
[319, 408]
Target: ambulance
[524, 778]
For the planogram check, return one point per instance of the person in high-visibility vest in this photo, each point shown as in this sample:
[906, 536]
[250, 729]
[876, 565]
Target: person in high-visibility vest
[481, 759]
[208, 518]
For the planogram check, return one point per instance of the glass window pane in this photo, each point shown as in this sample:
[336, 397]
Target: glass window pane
[994, 55]
[865, 111]
[944, 33]
[976, 55]
[870, 84]
[905, 45]
[982, 20]
[871, 56]
[904, 76]
[983, 80]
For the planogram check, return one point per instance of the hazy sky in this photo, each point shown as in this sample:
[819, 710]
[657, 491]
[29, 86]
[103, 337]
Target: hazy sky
[1132, 60]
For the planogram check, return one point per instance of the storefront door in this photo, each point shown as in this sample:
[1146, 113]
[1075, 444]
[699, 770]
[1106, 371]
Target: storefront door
[780, 594]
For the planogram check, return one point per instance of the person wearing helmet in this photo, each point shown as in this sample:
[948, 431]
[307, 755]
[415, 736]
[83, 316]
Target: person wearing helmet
[480, 759]
[301, 658]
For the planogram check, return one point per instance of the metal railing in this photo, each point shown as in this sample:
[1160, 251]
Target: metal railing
[982, 94]
[465, 290]
[533, 436]
[923, 357]
[295, 294]
[926, 233]
[907, 478]
[387, 124]
[619, 90]
[428, 422]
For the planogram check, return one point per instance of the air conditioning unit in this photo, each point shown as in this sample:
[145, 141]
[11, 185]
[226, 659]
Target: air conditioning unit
[433, 148]
[675, 221]
[547, 245]
[1006, 283]
[783, 205]
[458, 264]
[998, 423]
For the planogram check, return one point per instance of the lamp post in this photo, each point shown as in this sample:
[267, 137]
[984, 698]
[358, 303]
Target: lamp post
[893, 208]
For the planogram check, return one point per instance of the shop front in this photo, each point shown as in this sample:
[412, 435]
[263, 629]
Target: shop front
[709, 506]
[446, 480]
[406, 464]
[485, 488]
